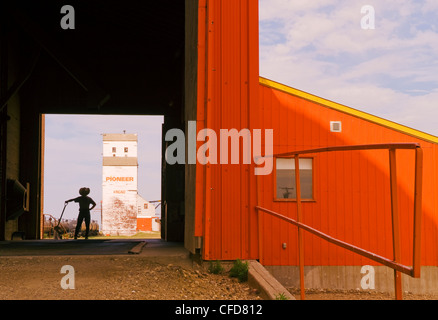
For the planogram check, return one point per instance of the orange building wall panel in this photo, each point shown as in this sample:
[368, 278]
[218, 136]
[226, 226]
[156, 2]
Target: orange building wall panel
[144, 224]
[352, 199]
[351, 188]
[228, 64]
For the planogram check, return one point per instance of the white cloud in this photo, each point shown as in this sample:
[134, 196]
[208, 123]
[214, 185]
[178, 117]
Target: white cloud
[319, 47]
[430, 6]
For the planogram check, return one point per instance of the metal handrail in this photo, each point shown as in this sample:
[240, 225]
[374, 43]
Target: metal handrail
[399, 268]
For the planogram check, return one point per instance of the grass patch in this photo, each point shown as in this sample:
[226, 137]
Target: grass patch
[240, 270]
[215, 267]
[281, 296]
[139, 235]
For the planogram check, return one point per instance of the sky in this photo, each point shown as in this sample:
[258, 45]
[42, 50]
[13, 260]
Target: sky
[318, 46]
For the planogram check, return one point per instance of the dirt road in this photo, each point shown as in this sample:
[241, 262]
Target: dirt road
[114, 278]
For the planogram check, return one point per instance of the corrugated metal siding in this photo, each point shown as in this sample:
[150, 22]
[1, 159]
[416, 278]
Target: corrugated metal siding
[231, 77]
[352, 188]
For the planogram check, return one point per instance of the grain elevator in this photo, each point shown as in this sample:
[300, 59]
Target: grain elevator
[119, 184]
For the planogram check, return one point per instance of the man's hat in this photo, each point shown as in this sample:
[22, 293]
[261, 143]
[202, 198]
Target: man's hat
[84, 191]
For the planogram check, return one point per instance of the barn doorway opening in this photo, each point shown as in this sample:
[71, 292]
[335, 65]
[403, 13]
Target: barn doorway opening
[134, 59]
[120, 158]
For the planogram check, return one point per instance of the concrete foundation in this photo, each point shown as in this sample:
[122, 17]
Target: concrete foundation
[351, 278]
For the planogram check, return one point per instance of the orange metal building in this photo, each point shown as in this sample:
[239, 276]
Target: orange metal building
[350, 190]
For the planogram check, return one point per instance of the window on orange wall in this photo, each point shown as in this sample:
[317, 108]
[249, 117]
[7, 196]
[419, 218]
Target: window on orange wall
[285, 179]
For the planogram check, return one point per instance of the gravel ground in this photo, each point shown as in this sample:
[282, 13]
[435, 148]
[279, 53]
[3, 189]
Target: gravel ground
[323, 294]
[114, 278]
[138, 278]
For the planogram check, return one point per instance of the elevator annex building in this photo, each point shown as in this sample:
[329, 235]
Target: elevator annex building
[362, 182]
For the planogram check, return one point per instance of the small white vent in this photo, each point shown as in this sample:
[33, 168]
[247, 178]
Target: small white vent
[335, 126]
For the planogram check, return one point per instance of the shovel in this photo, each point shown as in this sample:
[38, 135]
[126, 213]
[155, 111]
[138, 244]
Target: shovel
[58, 230]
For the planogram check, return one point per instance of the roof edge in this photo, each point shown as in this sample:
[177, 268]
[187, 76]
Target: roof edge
[120, 137]
[350, 111]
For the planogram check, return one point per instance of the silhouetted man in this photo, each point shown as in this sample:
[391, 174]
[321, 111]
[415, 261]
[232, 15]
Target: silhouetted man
[84, 210]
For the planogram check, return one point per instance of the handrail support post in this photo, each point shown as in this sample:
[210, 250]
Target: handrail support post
[395, 222]
[300, 231]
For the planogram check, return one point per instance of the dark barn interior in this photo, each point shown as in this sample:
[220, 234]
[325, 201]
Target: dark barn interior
[122, 58]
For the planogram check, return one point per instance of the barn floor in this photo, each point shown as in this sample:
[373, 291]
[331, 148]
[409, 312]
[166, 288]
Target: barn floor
[64, 247]
[49, 247]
